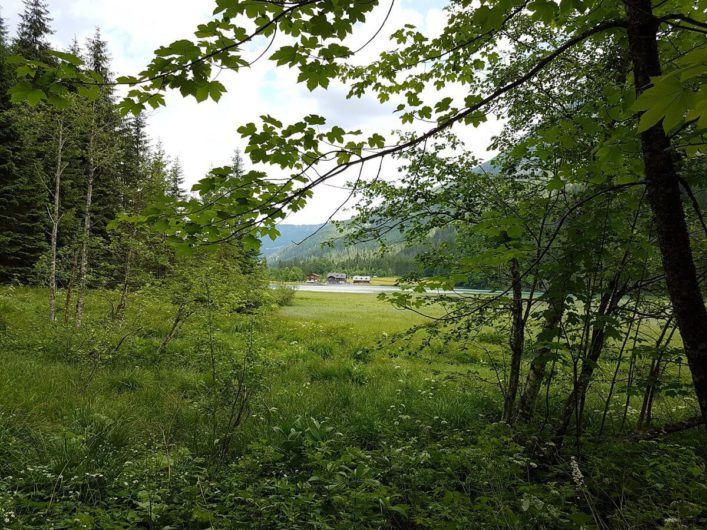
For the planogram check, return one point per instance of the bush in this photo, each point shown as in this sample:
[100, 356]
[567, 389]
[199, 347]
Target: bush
[283, 295]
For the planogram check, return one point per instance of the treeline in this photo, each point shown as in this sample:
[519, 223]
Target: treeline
[367, 263]
[68, 171]
[387, 255]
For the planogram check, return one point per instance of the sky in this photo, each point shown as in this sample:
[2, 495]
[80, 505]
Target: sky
[203, 135]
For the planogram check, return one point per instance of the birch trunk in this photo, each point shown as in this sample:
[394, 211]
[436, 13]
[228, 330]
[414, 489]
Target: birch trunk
[55, 222]
[83, 263]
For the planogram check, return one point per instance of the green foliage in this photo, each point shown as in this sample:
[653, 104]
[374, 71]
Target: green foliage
[283, 295]
[397, 441]
[38, 143]
[341, 415]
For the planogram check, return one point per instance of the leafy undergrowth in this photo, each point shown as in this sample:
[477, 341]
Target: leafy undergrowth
[338, 431]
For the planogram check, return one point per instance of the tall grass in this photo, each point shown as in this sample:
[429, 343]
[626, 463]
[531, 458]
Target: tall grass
[347, 429]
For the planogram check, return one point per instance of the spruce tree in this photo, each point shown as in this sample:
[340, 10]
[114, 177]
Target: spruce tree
[3, 32]
[104, 194]
[33, 30]
[22, 195]
[75, 48]
[237, 163]
[175, 182]
[133, 161]
[98, 58]
[159, 165]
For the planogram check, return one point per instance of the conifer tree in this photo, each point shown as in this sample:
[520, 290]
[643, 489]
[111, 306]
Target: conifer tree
[75, 48]
[175, 184]
[98, 58]
[22, 214]
[237, 163]
[34, 29]
[3, 32]
[159, 164]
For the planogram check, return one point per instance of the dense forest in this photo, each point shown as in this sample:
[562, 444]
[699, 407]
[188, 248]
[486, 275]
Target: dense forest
[154, 375]
[69, 172]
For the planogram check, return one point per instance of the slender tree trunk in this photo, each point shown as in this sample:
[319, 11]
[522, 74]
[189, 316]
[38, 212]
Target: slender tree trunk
[654, 373]
[575, 401]
[631, 374]
[55, 221]
[83, 264]
[536, 374]
[614, 377]
[70, 287]
[663, 192]
[517, 342]
[120, 313]
[182, 314]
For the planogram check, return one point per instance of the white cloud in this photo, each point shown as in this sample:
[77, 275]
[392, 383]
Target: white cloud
[204, 135]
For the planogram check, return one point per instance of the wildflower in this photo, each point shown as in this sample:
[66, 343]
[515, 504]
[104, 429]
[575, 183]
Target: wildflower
[577, 476]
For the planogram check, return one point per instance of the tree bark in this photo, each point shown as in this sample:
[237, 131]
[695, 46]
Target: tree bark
[120, 313]
[70, 287]
[516, 342]
[83, 264]
[663, 193]
[575, 401]
[55, 221]
[536, 374]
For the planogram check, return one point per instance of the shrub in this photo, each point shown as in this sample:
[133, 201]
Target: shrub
[283, 295]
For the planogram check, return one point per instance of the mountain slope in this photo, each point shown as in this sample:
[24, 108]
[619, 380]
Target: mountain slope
[322, 249]
[290, 234]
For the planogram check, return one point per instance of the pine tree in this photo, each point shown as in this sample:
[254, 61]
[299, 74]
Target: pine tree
[33, 30]
[22, 195]
[237, 163]
[3, 32]
[98, 58]
[175, 181]
[159, 165]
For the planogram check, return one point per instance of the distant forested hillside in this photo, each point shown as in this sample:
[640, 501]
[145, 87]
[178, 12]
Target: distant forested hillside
[305, 249]
[290, 235]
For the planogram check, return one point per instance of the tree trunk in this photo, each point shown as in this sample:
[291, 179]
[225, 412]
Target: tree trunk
[663, 192]
[644, 419]
[55, 222]
[182, 314]
[575, 401]
[83, 267]
[120, 313]
[516, 342]
[536, 374]
[70, 287]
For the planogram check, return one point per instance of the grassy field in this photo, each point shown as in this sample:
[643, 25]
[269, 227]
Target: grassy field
[384, 280]
[344, 428]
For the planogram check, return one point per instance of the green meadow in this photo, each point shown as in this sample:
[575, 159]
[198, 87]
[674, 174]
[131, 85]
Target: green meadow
[347, 423]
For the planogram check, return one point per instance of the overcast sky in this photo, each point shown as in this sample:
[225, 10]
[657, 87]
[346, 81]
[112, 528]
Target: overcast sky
[204, 135]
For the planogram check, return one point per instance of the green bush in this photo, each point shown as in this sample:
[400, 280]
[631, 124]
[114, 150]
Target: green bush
[283, 295]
